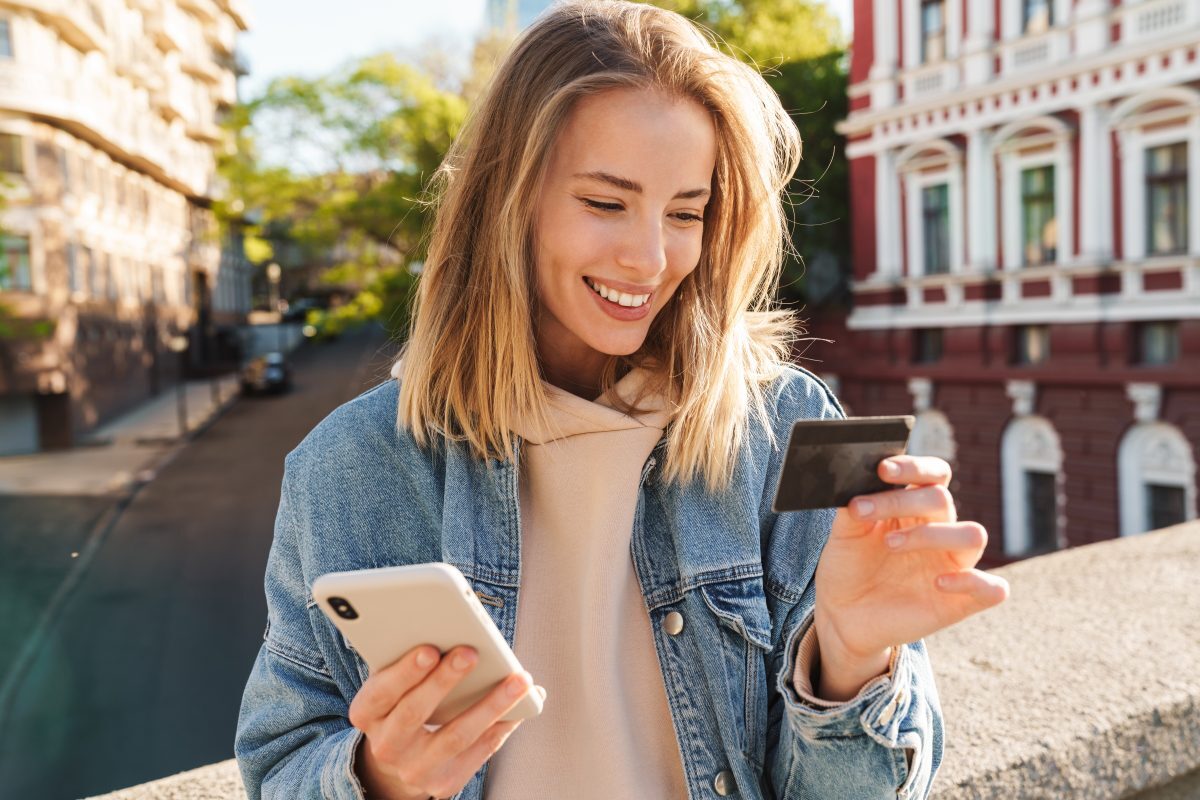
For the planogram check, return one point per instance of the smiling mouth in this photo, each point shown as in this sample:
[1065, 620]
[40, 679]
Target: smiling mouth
[618, 298]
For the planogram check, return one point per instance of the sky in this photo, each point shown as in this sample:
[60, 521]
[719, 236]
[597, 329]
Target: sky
[312, 37]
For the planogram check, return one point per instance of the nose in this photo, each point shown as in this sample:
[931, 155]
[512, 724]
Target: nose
[643, 248]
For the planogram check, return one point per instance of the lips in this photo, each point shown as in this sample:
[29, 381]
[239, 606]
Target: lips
[615, 309]
[624, 295]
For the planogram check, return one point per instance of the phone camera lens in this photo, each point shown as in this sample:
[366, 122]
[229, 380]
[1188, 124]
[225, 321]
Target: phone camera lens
[342, 608]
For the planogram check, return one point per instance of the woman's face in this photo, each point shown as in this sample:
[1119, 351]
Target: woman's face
[618, 224]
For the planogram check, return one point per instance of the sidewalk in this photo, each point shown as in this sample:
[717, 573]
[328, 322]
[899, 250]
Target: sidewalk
[127, 451]
[121, 453]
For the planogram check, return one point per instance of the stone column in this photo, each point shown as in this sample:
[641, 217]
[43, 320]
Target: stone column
[1091, 26]
[883, 70]
[977, 49]
[981, 202]
[1095, 186]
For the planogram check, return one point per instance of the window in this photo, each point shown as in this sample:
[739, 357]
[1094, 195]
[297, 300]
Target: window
[1041, 508]
[1037, 16]
[1031, 344]
[1165, 506]
[927, 345]
[1166, 199]
[935, 206]
[12, 156]
[1031, 462]
[933, 31]
[1039, 230]
[6, 48]
[1156, 474]
[1158, 343]
[14, 264]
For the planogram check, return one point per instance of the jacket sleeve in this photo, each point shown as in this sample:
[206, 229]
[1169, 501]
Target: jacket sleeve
[294, 737]
[887, 741]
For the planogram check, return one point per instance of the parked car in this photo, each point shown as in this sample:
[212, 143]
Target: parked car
[266, 374]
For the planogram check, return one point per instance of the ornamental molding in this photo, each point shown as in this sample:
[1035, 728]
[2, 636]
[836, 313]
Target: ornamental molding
[1024, 396]
[1146, 399]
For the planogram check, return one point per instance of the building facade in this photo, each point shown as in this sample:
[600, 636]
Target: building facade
[108, 145]
[1025, 183]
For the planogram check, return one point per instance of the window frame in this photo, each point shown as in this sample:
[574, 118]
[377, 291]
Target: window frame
[1170, 178]
[1048, 194]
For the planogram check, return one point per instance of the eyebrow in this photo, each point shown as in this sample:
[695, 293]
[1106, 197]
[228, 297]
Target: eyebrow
[634, 186]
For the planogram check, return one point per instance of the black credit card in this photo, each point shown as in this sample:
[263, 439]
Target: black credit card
[831, 461]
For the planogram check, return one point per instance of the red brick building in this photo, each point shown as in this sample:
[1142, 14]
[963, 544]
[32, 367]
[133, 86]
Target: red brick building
[1025, 182]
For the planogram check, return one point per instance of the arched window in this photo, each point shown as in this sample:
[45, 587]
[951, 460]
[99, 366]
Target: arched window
[1031, 459]
[933, 181]
[1156, 473]
[1037, 198]
[933, 435]
[1159, 135]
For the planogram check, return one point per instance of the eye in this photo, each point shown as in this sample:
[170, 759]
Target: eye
[687, 216]
[601, 206]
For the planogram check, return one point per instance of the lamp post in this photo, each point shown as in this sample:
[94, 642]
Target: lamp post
[273, 275]
[179, 344]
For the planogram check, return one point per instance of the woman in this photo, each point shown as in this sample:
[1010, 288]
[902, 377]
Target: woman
[587, 421]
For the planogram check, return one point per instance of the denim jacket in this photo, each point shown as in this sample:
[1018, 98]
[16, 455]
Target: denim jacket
[358, 494]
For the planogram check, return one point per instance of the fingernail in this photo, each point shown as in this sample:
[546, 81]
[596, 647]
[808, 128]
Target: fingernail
[517, 684]
[894, 540]
[462, 660]
[424, 658]
[891, 469]
[863, 507]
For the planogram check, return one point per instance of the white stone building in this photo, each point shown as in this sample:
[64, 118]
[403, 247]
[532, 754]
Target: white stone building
[109, 134]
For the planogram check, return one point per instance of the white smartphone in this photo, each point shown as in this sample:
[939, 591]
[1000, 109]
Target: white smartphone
[384, 613]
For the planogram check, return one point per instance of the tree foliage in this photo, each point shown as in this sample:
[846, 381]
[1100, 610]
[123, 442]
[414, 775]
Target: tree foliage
[333, 170]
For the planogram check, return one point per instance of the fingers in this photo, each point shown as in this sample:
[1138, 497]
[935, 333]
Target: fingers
[986, 589]
[380, 693]
[933, 503]
[462, 734]
[418, 705]
[970, 537]
[467, 763]
[915, 470]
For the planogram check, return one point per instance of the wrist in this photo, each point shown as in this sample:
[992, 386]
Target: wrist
[377, 784]
[840, 675]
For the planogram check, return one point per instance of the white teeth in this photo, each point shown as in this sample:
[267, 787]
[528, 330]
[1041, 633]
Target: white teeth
[621, 298]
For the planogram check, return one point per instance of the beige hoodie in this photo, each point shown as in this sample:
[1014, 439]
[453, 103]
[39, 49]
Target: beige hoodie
[583, 630]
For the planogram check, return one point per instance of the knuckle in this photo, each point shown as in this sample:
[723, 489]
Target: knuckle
[407, 716]
[454, 739]
[944, 498]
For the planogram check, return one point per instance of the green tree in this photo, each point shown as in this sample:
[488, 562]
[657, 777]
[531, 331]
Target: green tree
[361, 145]
[801, 50]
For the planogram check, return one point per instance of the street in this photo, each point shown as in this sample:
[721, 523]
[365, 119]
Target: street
[140, 675]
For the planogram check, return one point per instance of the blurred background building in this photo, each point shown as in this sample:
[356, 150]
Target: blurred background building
[109, 135]
[1025, 182]
[510, 16]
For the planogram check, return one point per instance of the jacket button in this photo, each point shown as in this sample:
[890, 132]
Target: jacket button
[723, 783]
[673, 623]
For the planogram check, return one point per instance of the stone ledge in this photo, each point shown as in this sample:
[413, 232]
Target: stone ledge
[1083, 685]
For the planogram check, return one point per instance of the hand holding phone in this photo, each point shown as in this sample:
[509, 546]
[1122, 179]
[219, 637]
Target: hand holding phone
[435, 658]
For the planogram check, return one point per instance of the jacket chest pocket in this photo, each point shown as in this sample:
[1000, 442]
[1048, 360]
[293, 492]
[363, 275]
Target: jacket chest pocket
[740, 610]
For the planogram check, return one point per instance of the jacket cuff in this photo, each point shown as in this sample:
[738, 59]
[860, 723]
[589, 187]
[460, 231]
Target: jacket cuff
[339, 781]
[807, 657]
[877, 710]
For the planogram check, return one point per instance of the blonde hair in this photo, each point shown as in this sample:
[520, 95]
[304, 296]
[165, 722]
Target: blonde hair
[470, 367]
